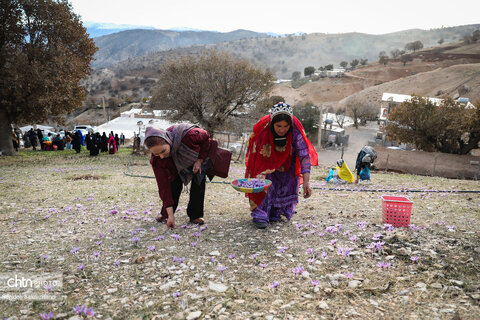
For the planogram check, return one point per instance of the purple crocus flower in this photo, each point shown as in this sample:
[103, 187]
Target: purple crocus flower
[298, 270]
[114, 211]
[194, 244]
[353, 238]
[254, 256]
[79, 309]
[80, 267]
[311, 260]
[135, 239]
[99, 242]
[283, 249]
[196, 234]
[232, 256]
[177, 294]
[315, 283]
[384, 265]
[376, 236]
[116, 263]
[274, 285]
[333, 242]
[89, 312]
[152, 229]
[151, 248]
[309, 251]
[175, 236]
[45, 256]
[344, 251]
[159, 238]
[324, 255]
[75, 250]
[414, 258]
[263, 265]
[348, 275]
[96, 254]
[221, 268]
[46, 316]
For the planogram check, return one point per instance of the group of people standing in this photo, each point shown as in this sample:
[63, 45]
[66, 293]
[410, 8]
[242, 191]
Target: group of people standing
[94, 142]
[278, 150]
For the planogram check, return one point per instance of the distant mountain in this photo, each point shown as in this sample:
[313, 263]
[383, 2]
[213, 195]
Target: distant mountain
[127, 44]
[284, 55]
[97, 29]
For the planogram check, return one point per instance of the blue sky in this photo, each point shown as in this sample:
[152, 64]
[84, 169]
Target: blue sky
[282, 16]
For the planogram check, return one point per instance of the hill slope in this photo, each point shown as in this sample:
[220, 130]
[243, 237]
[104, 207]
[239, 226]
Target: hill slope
[133, 43]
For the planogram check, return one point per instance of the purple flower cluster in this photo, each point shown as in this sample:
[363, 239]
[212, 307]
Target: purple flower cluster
[251, 183]
[384, 265]
[83, 309]
[298, 270]
[46, 316]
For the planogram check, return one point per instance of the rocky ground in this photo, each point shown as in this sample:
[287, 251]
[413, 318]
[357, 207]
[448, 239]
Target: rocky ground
[84, 219]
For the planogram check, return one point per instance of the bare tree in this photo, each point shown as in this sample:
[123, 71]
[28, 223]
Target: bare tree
[211, 89]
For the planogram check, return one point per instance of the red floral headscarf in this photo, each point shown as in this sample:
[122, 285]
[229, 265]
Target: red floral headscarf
[263, 157]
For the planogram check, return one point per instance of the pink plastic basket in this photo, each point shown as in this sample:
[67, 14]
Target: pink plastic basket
[396, 211]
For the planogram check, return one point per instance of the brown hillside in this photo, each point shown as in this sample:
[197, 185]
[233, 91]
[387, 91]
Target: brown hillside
[440, 83]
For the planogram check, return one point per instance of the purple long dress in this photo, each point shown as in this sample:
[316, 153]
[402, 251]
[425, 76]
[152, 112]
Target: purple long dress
[282, 196]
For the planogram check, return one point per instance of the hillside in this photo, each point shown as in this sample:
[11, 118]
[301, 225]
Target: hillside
[127, 44]
[293, 53]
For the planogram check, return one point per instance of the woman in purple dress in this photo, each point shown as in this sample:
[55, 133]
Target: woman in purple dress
[278, 150]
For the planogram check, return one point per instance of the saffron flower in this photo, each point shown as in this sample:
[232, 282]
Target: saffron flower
[353, 238]
[376, 236]
[311, 260]
[177, 294]
[309, 251]
[254, 256]
[196, 234]
[159, 238]
[75, 250]
[221, 268]
[96, 254]
[99, 242]
[388, 227]
[414, 258]
[151, 248]
[178, 260]
[232, 256]
[263, 265]
[348, 275]
[175, 236]
[80, 267]
[344, 251]
[315, 283]
[298, 270]
[282, 249]
[324, 255]
[274, 285]
[333, 242]
[194, 244]
[79, 309]
[384, 265]
[46, 316]
[116, 263]
[113, 212]
[135, 239]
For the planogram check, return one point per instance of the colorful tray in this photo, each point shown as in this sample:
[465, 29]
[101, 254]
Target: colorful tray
[235, 186]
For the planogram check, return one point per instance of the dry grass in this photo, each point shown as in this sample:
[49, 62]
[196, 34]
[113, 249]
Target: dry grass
[44, 212]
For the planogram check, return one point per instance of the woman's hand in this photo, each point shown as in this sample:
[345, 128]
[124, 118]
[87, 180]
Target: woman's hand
[260, 176]
[197, 166]
[307, 192]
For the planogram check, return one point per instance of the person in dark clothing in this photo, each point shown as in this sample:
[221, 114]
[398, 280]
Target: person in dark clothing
[177, 157]
[104, 143]
[365, 159]
[15, 141]
[33, 139]
[117, 141]
[40, 138]
[94, 143]
[77, 142]
[58, 141]
[122, 139]
[88, 140]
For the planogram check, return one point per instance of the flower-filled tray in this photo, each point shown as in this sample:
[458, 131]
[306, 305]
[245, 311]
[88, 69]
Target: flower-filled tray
[251, 185]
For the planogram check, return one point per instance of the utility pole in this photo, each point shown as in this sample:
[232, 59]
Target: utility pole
[104, 112]
[319, 133]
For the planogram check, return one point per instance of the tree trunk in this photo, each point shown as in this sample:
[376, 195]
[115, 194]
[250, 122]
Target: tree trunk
[6, 145]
